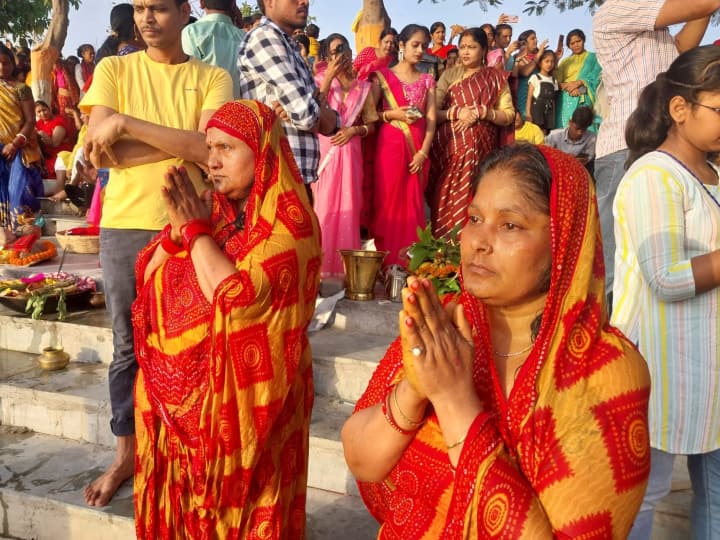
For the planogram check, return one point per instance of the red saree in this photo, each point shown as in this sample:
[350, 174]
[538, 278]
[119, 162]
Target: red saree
[399, 201]
[224, 392]
[456, 156]
[566, 455]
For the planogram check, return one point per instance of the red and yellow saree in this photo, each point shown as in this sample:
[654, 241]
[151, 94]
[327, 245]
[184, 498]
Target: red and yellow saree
[566, 454]
[224, 392]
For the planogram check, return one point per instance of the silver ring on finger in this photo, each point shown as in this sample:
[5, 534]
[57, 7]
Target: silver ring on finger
[417, 351]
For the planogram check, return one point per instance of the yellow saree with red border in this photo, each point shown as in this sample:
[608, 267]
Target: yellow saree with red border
[566, 454]
[224, 392]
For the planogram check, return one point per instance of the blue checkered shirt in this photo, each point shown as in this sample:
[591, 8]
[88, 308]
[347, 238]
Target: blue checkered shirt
[271, 69]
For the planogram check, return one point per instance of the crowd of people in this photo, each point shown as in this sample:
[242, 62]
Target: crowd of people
[578, 360]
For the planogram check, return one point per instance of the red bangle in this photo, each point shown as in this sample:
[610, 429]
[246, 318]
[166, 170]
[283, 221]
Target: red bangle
[170, 247]
[387, 413]
[192, 229]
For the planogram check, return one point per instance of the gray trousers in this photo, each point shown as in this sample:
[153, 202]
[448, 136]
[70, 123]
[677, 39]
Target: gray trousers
[118, 251]
[609, 170]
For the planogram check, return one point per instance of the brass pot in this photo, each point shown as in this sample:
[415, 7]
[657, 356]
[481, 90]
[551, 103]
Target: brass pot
[361, 269]
[53, 358]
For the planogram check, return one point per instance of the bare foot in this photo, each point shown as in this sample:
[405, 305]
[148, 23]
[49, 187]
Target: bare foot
[103, 488]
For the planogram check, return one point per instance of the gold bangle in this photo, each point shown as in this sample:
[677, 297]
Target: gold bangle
[384, 117]
[457, 443]
[423, 154]
[402, 414]
[493, 114]
[365, 132]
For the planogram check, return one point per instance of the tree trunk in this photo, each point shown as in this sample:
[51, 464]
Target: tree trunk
[370, 24]
[43, 57]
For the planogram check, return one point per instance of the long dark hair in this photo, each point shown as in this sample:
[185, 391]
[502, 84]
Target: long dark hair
[576, 32]
[693, 72]
[528, 166]
[324, 51]
[7, 52]
[434, 26]
[479, 36]
[410, 30]
[122, 26]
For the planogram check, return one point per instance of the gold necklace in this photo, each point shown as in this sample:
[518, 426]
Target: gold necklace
[512, 354]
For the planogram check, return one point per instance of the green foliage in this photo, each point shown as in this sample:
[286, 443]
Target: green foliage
[246, 9]
[436, 259]
[26, 19]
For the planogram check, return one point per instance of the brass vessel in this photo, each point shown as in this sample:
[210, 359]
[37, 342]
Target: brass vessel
[361, 269]
[53, 358]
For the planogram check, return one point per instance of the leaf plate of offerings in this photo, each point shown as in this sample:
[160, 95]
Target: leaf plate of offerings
[437, 259]
[58, 292]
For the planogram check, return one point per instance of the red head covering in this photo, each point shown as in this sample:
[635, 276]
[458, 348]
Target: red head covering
[233, 119]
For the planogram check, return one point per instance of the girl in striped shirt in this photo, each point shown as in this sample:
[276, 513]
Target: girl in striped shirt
[667, 276]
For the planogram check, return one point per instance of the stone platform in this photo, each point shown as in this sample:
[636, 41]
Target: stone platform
[54, 435]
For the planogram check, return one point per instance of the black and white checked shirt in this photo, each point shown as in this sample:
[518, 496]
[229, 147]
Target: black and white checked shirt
[271, 69]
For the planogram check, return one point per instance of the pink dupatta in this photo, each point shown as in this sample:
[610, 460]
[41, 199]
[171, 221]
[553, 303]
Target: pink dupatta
[399, 195]
[338, 191]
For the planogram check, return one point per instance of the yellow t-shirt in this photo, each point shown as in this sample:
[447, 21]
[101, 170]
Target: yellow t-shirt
[169, 95]
[531, 133]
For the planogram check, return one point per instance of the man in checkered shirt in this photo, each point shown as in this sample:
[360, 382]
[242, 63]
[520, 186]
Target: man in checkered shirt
[273, 72]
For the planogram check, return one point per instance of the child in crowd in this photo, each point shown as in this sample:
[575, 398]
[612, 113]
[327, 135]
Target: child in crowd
[527, 131]
[575, 139]
[666, 290]
[86, 67]
[542, 87]
[313, 33]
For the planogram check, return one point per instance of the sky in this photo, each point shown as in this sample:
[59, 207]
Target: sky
[90, 23]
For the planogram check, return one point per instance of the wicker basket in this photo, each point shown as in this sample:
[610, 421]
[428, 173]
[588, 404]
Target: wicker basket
[78, 243]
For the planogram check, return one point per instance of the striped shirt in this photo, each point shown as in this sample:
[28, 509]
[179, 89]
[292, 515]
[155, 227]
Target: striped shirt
[271, 69]
[631, 53]
[664, 218]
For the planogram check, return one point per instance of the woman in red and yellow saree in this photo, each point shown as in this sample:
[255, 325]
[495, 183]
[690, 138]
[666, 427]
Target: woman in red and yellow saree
[224, 391]
[513, 411]
[475, 112]
[403, 147]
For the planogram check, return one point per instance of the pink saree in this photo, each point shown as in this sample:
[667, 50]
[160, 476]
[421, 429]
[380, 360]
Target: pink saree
[399, 207]
[338, 191]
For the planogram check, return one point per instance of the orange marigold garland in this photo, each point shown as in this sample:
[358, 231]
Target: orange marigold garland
[25, 258]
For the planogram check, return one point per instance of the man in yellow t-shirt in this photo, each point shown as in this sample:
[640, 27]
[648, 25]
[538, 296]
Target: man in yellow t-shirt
[148, 111]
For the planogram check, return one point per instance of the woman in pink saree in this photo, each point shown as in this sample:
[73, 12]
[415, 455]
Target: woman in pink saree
[403, 147]
[338, 191]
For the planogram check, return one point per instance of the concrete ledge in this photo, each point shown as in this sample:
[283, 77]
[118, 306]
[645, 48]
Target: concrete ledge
[84, 335]
[73, 404]
[344, 361]
[42, 479]
[373, 317]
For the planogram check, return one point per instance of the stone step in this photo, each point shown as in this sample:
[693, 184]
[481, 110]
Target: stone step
[62, 222]
[377, 317]
[85, 335]
[343, 361]
[42, 479]
[73, 403]
[63, 207]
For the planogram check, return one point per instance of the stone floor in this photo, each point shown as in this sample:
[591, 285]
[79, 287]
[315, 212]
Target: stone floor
[330, 516]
